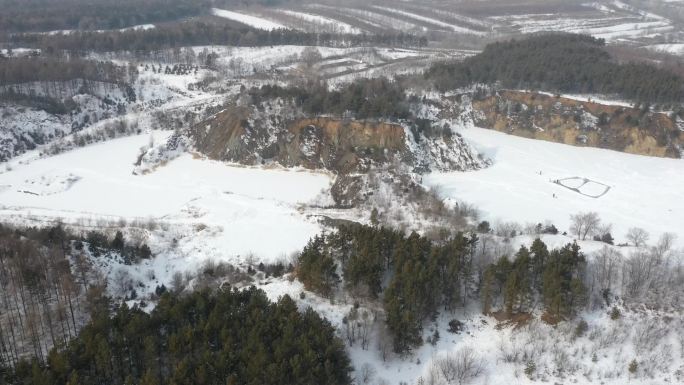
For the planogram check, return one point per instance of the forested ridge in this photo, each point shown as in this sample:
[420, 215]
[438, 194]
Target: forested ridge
[54, 69]
[559, 62]
[226, 337]
[48, 15]
[362, 99]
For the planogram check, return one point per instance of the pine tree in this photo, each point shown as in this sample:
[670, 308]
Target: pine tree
[374, 217]
[540, 255]
[118, 241]
[317, 269]
[488, 290]
[563, 289]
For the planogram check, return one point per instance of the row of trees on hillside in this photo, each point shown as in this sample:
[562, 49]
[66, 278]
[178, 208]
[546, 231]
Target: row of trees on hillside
[202, 32]
[47, 69]
[560, 62]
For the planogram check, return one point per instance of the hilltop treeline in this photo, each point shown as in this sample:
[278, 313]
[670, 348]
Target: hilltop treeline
[46, 82]
[227, 337]
[559, 62]
[362, 99]
[202, 32]
[48, 15]
[51, 69]
[417, 278]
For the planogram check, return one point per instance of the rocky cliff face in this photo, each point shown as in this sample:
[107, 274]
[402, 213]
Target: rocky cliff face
[277, 133]
[583, 123]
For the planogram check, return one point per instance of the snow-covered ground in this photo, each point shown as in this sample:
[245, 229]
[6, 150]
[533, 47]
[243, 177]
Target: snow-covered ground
[601, 355]
[430, 20]
[609, 28]
[131, 28]
[250, 20]
[643, 190]
[671, 48]
[325, 22]
[214, 210]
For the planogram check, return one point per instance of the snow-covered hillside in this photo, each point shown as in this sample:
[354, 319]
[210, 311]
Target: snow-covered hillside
[519, 186]
[504, 350]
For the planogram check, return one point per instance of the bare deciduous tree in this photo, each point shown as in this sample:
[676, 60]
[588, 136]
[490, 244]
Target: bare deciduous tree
[384, 343]
[177, 282]
[365, 326]
[604, 272]
[664, 245]
[366, 374]
[637, 236]
[584, 224]
[458, 368]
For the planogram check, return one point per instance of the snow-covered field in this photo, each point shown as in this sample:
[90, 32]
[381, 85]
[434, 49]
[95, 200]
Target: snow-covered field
[613, 20]
[643, 190]
[323, 22]
[214, 210]
[432, 21]
[671, 48]
[250, 20]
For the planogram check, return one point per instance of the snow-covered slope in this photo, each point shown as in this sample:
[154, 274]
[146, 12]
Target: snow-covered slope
[643, 190]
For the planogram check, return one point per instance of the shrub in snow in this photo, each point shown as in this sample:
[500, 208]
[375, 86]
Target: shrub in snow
[530, 368]
[460, 368]
[456, 326]
[633, 367]
[581, 328]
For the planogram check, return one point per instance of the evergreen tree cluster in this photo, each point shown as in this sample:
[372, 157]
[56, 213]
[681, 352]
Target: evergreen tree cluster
[227, 337]
[364, 98]
[559, 62]
[199, 32]
[555, 277]
[417, 278]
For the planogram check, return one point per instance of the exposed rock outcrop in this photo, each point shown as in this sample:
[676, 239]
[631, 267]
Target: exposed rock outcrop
[254, 136]
[584, 123]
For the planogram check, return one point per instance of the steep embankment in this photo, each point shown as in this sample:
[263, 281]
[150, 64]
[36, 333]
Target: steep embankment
[584, 123]
[256, 136]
